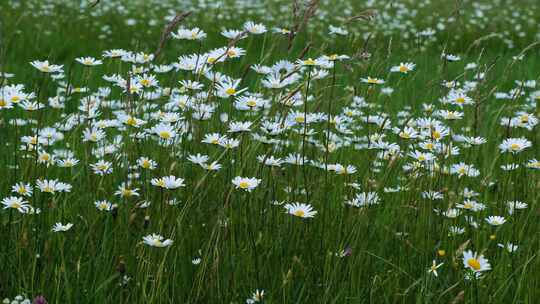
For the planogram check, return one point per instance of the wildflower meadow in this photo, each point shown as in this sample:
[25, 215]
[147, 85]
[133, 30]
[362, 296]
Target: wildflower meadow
[269, 151]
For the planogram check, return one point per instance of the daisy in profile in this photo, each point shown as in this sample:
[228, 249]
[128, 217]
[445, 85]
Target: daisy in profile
[168, 182]
[494, 220]
[89, 61]
[369, 80]
[255, 28]
[403, 67]
[336, 30]
[189, 34]
[46, 67]
[16, 203]
[59, 227]
[450, 57]
[511, 248]
[476, 263]
[52, 186]
[156, 240]
[246, 183]
[514, 145]
[515, 205]
[309, 62]
[114, 53]
[300, 210]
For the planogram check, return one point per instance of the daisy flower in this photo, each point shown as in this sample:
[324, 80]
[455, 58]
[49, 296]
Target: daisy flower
[511, 248]
[164, 131]
[370, 80]
[22, 189]
[125, 191]
[189, 34]
[255, 28]
[300, 210]
[156, 240]
[514, 145]
[403, 67]
[168, 182]
[52, 186]
[16, 203]
[246, 183]
[146, 163]
[89, 61]
[103, 205]
[59, 227]
[46, 67]
[495, 220]
[476, 263]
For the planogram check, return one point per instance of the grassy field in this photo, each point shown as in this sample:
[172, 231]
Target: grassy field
[269, 152]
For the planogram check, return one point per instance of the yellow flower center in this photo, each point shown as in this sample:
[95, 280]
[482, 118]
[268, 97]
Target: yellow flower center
[309, 61]
[473, 263]
[460, 100]
[15, 205]
[243, 185]
[230, 91]
[3, 102]
[131, 121]
[145, 82]
[405, 135]
[251, 103]
[515, 147]
[300, 213]
[403, 69]
[300, 119]
[165, 134]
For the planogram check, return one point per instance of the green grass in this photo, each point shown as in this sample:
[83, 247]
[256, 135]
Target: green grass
[244, 241]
